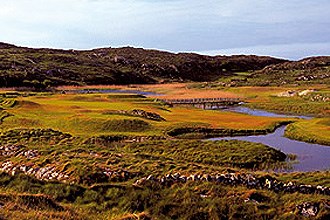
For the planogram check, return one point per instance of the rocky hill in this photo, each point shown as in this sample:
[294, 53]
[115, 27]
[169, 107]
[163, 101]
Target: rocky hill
[41, 68]
[306, 71]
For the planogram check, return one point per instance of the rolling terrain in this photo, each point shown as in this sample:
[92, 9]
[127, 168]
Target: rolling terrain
[40, 68]
[44, 68]
[71, 152]
[127, 156]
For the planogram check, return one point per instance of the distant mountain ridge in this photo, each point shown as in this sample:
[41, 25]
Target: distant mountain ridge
[40, 68]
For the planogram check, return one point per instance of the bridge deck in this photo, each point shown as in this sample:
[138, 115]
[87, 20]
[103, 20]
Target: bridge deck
[201, 100]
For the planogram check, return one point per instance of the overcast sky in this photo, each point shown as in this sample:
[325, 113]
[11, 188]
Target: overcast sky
[284, 28]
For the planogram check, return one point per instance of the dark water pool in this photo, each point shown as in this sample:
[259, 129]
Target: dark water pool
[311, 157]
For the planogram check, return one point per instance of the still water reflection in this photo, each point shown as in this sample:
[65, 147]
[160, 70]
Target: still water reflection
[311, 157]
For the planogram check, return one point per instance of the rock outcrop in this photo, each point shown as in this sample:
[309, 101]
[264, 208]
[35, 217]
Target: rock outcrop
[234, 179]
[308, 209]
[137, 113]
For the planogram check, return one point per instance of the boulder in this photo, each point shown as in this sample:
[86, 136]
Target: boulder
[308, 209]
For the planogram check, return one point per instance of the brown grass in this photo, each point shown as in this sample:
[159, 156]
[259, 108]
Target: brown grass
[139, 216]
[170, 91]
[219, 119]
[183, 91]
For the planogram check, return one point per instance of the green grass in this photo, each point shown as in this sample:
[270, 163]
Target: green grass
[293, 106]
[183, 201]
[3, 115]
[84, 161]
[203, 131]
[7, 103]
[313, 131]
[209, 153]
[85, 115]
[267, 98]
[74, 134]
[117, 195]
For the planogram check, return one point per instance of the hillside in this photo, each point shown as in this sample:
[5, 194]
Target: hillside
[310, 70]
[39, 68]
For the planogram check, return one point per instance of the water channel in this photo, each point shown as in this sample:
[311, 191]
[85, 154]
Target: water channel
[311, 157]
[256, 112]
[105, 91]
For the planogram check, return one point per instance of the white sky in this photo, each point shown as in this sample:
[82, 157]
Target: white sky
[286, 28]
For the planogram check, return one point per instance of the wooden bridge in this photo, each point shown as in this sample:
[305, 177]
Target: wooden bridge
[204, 103]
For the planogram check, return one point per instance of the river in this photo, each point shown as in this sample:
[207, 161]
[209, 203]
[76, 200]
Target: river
[256, 112]
[311, 157]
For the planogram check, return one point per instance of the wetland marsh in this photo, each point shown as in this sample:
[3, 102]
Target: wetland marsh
[78, 154]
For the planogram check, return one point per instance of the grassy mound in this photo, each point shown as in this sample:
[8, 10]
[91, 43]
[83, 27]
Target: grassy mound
[107, 125]
[125, 125]
[313, 131]
[28, 104]
[200, 131]
[3, 115]
[32, 135]
[137, 113]
[220, 153]
[7, 103]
